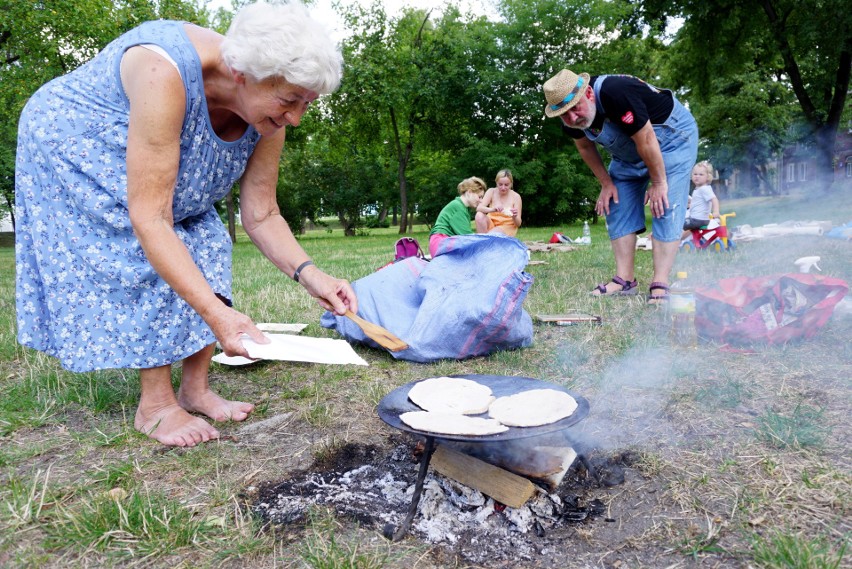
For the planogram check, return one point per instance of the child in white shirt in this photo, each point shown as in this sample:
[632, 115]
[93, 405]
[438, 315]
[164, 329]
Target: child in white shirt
[703, 201]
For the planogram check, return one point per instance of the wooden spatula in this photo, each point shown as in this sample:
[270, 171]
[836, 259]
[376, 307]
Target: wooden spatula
[378, 334]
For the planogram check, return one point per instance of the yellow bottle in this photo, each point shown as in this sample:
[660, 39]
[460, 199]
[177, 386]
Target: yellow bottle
[682, 311]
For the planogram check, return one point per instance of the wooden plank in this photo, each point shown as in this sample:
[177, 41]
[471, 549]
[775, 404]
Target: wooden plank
[502, 485]
[568, 319]
[540, 247]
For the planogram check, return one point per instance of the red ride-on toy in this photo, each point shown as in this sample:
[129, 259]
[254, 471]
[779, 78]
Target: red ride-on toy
[715, 238]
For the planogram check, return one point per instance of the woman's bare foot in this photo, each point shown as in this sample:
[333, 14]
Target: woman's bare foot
[213, 406]
[173, 426]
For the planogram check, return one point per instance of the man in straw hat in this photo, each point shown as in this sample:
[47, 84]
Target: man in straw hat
[653, 142]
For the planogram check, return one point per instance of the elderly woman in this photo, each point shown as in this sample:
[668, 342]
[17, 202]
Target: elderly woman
[122, 260]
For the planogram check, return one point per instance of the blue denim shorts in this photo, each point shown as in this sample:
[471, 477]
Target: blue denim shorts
[678, 138]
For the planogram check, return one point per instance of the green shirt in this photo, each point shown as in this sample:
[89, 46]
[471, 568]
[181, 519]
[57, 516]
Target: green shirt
[454, 219]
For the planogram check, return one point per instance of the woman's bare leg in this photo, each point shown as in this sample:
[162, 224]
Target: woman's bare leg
[481, 220]
[195, 395]
[160, 417]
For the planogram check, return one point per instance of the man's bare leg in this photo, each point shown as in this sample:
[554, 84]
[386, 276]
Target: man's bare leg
[195, 395]
[624, 249]
[160, 417]
[664, 257]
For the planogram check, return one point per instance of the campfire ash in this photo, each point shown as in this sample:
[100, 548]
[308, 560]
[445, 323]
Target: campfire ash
[448, 513]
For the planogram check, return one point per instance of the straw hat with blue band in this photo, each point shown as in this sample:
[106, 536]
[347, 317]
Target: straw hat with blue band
[563, 91]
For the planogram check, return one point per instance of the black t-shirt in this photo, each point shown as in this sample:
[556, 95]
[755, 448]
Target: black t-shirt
[628, 103]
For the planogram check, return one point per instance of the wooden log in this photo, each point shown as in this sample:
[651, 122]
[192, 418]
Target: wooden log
[505, 487]
[545, 463]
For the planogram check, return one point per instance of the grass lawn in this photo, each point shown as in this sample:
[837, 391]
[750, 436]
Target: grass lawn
[742, 456]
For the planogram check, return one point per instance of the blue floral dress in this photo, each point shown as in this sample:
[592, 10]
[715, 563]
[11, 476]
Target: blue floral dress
[86, 292]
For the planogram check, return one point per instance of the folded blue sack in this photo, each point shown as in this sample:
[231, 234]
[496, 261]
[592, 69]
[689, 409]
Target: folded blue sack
[467, 301]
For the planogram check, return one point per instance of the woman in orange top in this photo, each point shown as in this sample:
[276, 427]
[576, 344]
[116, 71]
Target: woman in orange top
[500, 208]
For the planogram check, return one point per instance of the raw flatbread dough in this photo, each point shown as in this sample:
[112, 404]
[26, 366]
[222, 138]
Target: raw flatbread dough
[451, 423]
[533, 408]
[221, 358]
[280, 327]
[451, 395]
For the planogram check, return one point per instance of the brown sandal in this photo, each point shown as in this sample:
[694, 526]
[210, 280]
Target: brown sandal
[628, 288]
[658, 298]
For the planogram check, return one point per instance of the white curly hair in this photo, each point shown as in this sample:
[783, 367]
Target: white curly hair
[283, 40]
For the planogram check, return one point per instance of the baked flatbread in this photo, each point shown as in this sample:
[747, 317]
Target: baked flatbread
[451, 423]
[451, 395]
[533, 408]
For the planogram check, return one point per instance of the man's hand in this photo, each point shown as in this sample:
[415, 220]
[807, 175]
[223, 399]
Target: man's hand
[608, 192]
[657, 197]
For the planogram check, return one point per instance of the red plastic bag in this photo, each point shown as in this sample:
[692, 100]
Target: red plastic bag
[773, 309]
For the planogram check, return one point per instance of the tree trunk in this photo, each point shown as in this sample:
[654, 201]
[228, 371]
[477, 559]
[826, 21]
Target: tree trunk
[766, 187]
[11, 209]
[403, 154]
[403, 198]
[754, 179]
[825, 141]
[824, 128]
[348, 227]
[232, 226]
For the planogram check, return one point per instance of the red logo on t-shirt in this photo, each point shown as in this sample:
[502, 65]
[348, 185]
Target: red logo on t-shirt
[627, 118]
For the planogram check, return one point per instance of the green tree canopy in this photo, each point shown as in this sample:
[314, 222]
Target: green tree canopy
[431, 97]
[43, 39]
[764, 53]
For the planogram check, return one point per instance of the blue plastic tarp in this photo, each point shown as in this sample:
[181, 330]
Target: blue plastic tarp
[841, 231]
[466, 302]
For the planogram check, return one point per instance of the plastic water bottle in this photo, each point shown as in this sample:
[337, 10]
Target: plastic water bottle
[587, 233]
[682, 309]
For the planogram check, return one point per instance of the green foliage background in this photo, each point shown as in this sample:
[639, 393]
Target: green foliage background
[432, 97]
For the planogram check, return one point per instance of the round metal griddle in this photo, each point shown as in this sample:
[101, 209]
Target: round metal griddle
[397, 402]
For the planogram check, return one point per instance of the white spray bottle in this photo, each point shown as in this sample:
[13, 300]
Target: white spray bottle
[806, 263]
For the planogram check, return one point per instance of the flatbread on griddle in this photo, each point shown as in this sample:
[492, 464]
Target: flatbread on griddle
[451, 395]
[532, 408]
[451, 423]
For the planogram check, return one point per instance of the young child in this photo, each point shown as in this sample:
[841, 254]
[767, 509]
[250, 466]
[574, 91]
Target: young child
[454, 219]
[703, 200]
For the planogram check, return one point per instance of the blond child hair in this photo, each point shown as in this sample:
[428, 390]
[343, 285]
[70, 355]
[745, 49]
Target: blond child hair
[708, 169]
